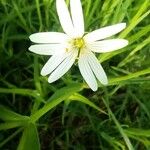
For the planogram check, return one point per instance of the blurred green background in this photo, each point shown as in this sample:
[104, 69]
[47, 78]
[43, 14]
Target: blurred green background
[116, 117]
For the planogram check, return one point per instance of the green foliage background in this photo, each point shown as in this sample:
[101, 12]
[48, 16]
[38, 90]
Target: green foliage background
[116, 117]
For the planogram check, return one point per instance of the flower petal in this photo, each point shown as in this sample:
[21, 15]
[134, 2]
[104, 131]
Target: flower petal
[63, 67]
[53, 63]
[104, 32]
[86, 72]
[97, 68]
[48, 37]
[47, 49]
[107, 45]
[77, 17]
[64, 17]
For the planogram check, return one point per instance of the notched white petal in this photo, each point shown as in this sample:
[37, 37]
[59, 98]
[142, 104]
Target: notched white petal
[47, 49]
[52, 64]
[86, 72]
[107, 45]
[77, 17]
[97, 68]
[48, 37]
[63, 67]
[104, 32]
[64, 17]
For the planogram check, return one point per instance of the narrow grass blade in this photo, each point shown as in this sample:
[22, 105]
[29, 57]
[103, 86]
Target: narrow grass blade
[8, 115]
[132, 53]
[29, 139]
[125, 137]
[81, 98]
[55, 99]
[122, 79]
[10, 125]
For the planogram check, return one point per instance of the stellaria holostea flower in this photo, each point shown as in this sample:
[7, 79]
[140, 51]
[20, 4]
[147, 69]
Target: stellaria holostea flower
[66, 47]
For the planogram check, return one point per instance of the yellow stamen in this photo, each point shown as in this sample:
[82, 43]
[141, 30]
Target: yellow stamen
[67, 50]
[78, 42]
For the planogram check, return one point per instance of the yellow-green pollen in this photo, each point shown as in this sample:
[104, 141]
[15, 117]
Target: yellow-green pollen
[78, 43]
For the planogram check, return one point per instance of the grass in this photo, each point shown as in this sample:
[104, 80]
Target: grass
[37, 115]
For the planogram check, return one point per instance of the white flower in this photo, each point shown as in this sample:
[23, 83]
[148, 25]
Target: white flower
[66, 47]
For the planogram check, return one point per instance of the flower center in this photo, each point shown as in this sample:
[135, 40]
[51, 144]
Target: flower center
[78, 43]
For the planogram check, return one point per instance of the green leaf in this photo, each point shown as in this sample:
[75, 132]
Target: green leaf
[83, 99]
[56, 99]
[10, 125]
[26, 92]
[29, 139]
[132, 53]
[125, 137]
[143, 140]
[66, 91]
[112, 141]
[8, 115]
[114, 81]
[140, 16]
[139, 34]
[137, 132]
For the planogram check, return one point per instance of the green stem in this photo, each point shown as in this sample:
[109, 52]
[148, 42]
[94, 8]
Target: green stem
[39, 14]
[125, 137]
[36, 76]
[45, 109]
[26, 92]
[18, 91]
